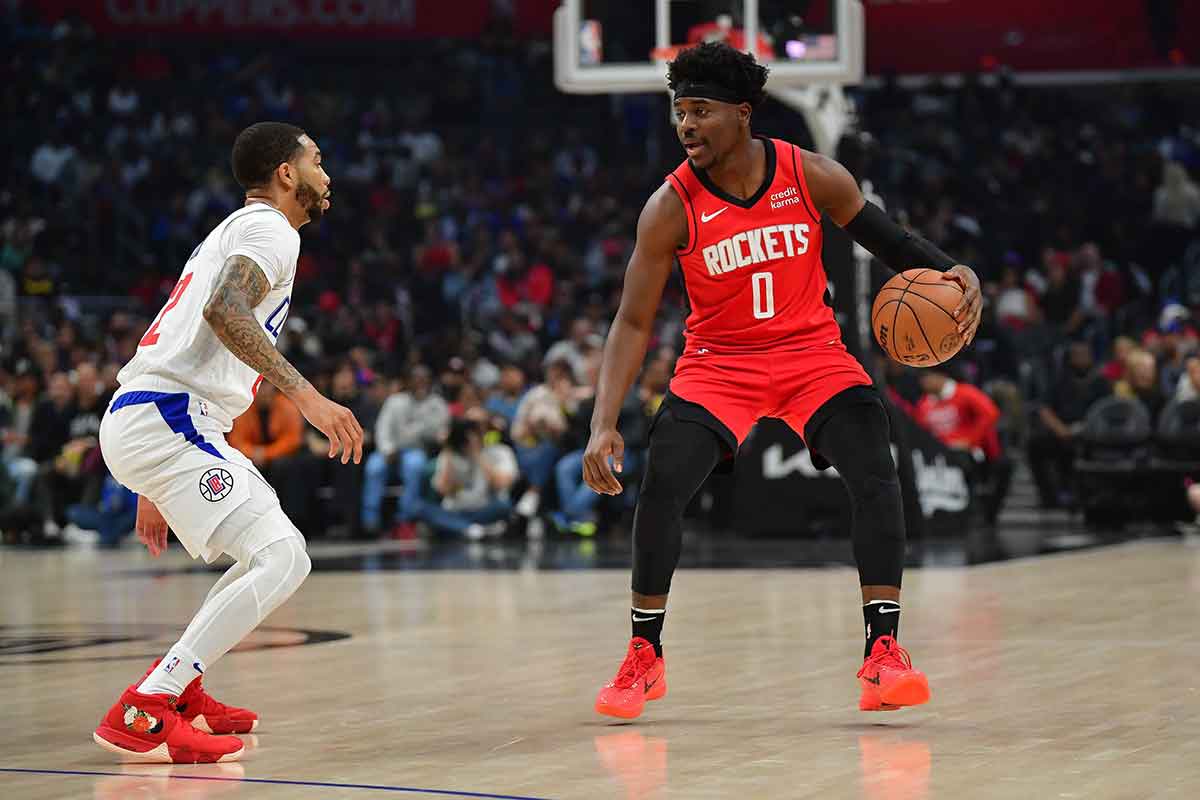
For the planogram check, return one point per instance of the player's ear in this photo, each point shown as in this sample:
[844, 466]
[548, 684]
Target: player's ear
[286, 173]
[744, 110]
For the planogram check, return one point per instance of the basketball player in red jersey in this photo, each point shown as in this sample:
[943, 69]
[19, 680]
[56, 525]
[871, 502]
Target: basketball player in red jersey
[742, 215]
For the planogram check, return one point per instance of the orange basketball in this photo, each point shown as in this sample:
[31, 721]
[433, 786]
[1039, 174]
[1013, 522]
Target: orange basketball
[913, 318]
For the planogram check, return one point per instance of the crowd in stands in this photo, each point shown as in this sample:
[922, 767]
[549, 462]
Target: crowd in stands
[457, 295]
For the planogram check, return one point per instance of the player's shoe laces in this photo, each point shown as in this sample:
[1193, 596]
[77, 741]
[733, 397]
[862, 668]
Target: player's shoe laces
[642, 677]
[146, 727]
[208, 714]
[889, 680]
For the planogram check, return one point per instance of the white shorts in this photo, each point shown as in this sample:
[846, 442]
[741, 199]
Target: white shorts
[165, 446]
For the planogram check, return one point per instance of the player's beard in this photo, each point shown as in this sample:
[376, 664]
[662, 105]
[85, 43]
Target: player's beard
[310, 200]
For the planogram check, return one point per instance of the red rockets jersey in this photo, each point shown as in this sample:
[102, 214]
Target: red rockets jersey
[752, 267]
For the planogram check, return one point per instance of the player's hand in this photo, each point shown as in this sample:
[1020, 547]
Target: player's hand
[597, 471]
[338, 424]
[970, 308]
[151, 527]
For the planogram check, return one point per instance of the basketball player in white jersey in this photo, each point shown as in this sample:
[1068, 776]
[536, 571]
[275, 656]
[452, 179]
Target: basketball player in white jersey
[196, 369]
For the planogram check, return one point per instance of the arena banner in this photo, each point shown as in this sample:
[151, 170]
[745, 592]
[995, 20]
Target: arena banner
[779, 492]
[940, 36]
[332, 19]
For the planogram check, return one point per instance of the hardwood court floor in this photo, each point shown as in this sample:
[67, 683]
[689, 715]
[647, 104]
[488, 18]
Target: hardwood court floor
[1071, 676]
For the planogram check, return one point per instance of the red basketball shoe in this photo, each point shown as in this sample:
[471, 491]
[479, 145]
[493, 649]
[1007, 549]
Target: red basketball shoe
[889, 680]
[146, 727]
[212, 716]
[208, 714]
[642, 677]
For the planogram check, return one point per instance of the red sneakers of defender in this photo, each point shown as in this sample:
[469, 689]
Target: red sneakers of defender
[889, 680]
[144, 727]
[642, 677]
[212, 716]
[208, 714]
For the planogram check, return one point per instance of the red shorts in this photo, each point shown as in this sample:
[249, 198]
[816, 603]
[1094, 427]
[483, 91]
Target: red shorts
[740, 389]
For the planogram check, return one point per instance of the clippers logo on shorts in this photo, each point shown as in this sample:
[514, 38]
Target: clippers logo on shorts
[215, 484]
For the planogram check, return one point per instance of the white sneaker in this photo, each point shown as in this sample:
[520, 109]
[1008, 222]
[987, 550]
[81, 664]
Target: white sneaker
[527, 506]
[74, 534]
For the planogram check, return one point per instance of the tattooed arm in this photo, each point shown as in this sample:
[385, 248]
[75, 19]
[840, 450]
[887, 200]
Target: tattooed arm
[241, 286]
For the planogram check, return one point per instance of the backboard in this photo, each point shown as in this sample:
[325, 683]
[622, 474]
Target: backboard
[612, 46]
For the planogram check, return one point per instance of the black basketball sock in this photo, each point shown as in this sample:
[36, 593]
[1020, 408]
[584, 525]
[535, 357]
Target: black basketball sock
[881, 618]
[647, 623]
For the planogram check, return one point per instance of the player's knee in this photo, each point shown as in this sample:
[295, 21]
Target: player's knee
[284, 564]
[301, 568]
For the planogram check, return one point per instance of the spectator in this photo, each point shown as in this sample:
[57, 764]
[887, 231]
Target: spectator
[1060, 301]
[50, 430]
[1141, 383]
[504, 401]
[964, 418]
[17, 430]
[1016, 305]
[310, 467]
[1059, 420]
[105, 522]
[518, 283]
[1188, 387]
[472, 483]
[575, 350]
[271, 430]
[76, 471]
[1114, 370]
[409, 425]
[539, 424]
[512, 341]
[1177, 199]
[576, 500]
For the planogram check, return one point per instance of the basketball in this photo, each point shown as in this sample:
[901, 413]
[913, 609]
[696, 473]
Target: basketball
[913, 318]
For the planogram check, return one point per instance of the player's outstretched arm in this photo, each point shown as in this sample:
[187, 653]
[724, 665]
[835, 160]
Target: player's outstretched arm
[837, 195]
[240, 287]
[662, 227]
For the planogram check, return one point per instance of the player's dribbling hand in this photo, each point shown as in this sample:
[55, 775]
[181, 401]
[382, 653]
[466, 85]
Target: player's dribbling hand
[970, 308]
[338, 424]
[151, 527]
[597, 471]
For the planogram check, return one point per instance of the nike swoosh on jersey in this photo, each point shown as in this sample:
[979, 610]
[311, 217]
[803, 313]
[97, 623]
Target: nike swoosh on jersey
[708, 217]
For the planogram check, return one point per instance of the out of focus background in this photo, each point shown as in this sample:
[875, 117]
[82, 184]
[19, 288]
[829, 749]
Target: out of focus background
[458, 294]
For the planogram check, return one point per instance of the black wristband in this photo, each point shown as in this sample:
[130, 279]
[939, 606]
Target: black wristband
[893, 245]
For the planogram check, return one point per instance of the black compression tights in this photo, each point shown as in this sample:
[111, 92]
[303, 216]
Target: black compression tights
[682, 454]
[855, 440]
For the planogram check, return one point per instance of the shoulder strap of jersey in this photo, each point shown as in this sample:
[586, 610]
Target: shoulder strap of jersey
[684, 182]
[796, 165]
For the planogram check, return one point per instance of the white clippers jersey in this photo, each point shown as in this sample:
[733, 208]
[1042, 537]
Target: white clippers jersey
[180, 351]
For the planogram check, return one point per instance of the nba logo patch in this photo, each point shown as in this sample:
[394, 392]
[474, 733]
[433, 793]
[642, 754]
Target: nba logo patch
[171, 665]
[203, 408]
[215, 484]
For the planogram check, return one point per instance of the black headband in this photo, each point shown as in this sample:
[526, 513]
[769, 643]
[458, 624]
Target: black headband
[708, 91]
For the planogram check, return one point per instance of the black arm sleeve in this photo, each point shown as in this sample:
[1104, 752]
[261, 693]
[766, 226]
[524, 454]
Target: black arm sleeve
[893, 245]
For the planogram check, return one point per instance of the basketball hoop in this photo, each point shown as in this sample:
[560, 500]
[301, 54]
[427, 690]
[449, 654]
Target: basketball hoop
[807, 75]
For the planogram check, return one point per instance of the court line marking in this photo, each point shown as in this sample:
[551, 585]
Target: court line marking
[277, 782]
